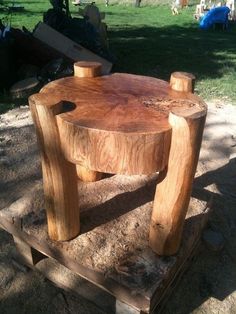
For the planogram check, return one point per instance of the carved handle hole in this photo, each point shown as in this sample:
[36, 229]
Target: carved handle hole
[67, 106]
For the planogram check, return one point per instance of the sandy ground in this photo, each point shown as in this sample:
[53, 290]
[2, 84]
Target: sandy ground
[209, 285]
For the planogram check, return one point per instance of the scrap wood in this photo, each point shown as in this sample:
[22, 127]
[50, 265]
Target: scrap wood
[67, 47]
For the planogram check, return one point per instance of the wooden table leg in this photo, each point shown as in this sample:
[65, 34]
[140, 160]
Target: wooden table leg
[173, 193]
[59, 175]
[182, 82]
[87, 69]
[87, 175]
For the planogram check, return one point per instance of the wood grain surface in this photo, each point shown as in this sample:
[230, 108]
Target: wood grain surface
[119, 123]
[87, 69]
[182, 81]
[123, 124]
[59, 175]
[173, 194]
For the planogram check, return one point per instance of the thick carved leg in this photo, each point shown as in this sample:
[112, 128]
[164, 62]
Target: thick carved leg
[182, 81]
[87, 175]
[59, 175]
[87, 69]
[173, 193]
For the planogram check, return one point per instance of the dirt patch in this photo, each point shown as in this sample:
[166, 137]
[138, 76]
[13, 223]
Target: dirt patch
[212, 276]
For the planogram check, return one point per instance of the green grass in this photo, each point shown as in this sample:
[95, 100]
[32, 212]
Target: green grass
[150, 41]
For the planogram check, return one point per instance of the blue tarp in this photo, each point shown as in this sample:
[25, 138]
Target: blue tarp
[216, 15]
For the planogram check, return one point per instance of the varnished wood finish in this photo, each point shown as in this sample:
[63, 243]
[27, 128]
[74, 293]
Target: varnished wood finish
[59, 175]
[173, 193]
[87, 69]
[120, 122]
[87, 175]
[182, 81]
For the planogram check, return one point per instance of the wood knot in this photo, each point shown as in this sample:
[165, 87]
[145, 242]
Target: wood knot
[166, 105]
[156, 225]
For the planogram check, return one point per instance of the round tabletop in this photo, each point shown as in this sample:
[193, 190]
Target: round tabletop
[118, 123]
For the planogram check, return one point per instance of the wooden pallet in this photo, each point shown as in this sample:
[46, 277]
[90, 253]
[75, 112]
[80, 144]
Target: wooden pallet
[122, 276]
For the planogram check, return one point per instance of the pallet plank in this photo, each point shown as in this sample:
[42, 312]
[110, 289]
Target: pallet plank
[138, 278]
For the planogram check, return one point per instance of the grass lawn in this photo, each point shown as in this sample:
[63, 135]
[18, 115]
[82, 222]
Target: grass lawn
[150, 41]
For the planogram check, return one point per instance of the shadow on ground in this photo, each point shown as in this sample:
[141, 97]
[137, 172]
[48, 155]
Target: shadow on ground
[212, 275]
[158, 51]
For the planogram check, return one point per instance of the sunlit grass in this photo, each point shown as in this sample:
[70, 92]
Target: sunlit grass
[150, 41]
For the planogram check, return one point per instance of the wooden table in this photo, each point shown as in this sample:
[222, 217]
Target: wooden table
[89, 124]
